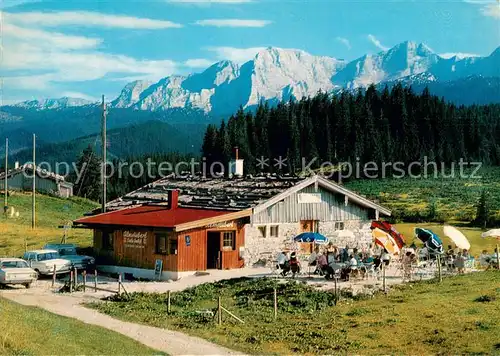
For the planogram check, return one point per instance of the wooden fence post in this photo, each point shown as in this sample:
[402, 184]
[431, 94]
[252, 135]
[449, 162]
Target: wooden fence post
[119, 283]
[275, 304]
[71, 281]
[219, 312]
[440, 277]
[383, 277]
[76, 278]
[336, 295]
[498, 258]
[84, 275]
[54, 277]
[168, 302]
[95, 280]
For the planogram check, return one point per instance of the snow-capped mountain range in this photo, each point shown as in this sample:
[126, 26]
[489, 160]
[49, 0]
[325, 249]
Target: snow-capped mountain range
[279, 74]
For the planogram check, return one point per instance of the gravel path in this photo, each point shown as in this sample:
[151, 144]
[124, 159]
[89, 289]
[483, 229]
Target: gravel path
[171, 342]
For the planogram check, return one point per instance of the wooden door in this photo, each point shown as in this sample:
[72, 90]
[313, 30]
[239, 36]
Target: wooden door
[309, 225]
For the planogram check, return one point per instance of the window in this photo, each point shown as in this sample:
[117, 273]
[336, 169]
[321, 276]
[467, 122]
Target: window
[274, 231]
[107, 240]
[339, 225]
[172, 245]
[165, 244]
[262, 230]
[161, 244]
[14, 264]
[228, 241]
[47, 256]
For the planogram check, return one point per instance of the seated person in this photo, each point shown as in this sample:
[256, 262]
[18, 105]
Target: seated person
[294, 264]
[459, 263]
[313, 259]
[283, 262]
[424, 253]
[353, 263]
[368, 259]
[322, 263]
[386, 258]
[484, 259]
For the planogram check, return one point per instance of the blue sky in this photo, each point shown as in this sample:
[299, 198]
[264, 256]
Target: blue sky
[86, 48]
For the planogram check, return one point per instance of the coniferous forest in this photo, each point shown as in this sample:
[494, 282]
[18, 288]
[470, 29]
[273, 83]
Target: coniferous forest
[395, 125]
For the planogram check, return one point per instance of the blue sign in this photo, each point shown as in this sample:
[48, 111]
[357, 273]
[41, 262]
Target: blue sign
[188, 240]
[158, 268]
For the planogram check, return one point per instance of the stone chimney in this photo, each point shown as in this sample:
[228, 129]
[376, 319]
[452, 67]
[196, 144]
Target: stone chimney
[173, 199]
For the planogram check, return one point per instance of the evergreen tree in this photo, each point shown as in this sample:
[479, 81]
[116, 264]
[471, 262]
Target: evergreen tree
[88, 175]
[482, 210]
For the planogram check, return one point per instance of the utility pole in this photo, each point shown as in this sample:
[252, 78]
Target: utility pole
[33, 214]
[104, 143]
[5, 199]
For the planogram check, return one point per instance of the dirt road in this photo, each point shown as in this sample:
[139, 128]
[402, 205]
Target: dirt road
[171, 342]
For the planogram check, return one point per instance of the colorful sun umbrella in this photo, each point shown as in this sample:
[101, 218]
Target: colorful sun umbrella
[311, 237]
[385, 241]
[430, 239]
[457, 237]
[388, 228]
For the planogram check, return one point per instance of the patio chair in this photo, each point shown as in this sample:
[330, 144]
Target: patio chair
[276, 270]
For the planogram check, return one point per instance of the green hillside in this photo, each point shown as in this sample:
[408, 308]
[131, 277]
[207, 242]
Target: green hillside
[455, 199]
[138, 139]
[51, 213]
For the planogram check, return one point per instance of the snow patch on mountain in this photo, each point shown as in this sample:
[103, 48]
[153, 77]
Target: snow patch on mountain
[63, 102]
[131, 93]
[276, 74]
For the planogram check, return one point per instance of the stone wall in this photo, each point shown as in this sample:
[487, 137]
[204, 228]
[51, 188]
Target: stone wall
[356, 234]
[262, 248]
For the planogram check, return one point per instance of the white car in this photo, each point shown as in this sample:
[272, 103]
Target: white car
[16, 271]
[43, 262]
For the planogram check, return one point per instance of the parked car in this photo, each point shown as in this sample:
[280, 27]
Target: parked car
[68, 252]
[43, 262]
[16, 271]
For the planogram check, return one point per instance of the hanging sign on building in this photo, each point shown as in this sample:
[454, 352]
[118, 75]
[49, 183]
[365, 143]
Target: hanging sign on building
[134, 239]
[220, 225]
[188, 240]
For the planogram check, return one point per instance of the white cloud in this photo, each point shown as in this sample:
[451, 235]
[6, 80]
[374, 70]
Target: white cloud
[36, 60]
[458, 55]
[86, 18]
[233, 23]
[238, 55]
[479, 2]
[491, 10]
[209, 1]
[344, 41]
[198, 63]
[43, 38]
[377, 43]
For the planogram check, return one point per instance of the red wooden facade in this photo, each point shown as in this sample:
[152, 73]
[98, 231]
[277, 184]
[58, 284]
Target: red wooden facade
[197, 249]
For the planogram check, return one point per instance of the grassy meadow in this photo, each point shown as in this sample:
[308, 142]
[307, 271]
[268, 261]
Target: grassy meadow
[455, 198]
[458, 316]
[51, 212]
[33, 331]
[473, 234]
